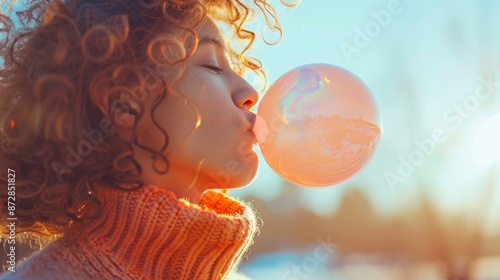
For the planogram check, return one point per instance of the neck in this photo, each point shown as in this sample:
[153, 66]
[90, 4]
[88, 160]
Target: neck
[183, 181]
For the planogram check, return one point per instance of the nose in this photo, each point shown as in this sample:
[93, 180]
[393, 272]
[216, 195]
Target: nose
[245, 96]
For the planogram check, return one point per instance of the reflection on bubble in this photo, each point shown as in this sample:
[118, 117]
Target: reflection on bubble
[308, 83]
[322, 125]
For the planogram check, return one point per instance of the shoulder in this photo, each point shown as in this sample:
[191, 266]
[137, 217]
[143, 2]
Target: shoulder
[23, 270]
[43, 265]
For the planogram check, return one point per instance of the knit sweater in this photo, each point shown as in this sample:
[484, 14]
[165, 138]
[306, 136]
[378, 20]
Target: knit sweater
[150, 234]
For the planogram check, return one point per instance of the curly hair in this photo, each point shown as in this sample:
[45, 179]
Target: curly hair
[58, 57]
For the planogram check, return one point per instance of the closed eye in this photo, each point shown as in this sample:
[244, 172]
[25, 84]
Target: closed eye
[214, 69]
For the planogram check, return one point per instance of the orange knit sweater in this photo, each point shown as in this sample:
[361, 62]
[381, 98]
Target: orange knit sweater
[150, 234]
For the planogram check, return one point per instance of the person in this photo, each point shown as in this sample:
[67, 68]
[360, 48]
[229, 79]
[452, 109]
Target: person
[121, 122]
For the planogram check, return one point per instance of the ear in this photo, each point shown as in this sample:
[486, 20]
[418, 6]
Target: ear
[123, 113]
[114, 104]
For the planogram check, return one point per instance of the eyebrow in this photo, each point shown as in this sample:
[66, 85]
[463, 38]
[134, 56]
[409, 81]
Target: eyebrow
[210, 40]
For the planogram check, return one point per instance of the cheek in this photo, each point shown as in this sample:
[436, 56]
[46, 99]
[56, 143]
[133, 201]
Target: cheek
[219, 140]
[176, 117]
[210, 98]
[208, 95]
[219, 113]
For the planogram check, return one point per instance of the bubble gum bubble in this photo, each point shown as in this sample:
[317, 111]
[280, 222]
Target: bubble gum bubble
[318, 125]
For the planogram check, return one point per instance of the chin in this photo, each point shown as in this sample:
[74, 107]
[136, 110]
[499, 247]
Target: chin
[232, 174]
[247, 176]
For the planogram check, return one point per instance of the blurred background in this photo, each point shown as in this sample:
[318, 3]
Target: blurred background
[421, 209]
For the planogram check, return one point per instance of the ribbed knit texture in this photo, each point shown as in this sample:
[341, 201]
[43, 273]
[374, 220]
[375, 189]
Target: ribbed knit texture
[150, 234]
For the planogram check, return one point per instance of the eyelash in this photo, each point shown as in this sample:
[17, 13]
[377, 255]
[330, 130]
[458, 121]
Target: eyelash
[215, 69]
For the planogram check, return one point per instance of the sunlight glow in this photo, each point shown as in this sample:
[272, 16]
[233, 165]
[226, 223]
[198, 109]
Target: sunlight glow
[486, 147]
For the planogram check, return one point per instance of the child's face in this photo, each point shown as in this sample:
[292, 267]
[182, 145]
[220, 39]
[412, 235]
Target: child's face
[221, 147]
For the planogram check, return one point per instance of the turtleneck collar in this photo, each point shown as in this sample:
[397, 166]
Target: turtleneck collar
[151, 234]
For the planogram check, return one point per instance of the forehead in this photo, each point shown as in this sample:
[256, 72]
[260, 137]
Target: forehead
[207, 29]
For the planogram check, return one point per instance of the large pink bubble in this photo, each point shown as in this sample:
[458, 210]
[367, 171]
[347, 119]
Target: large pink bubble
[318, 125]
